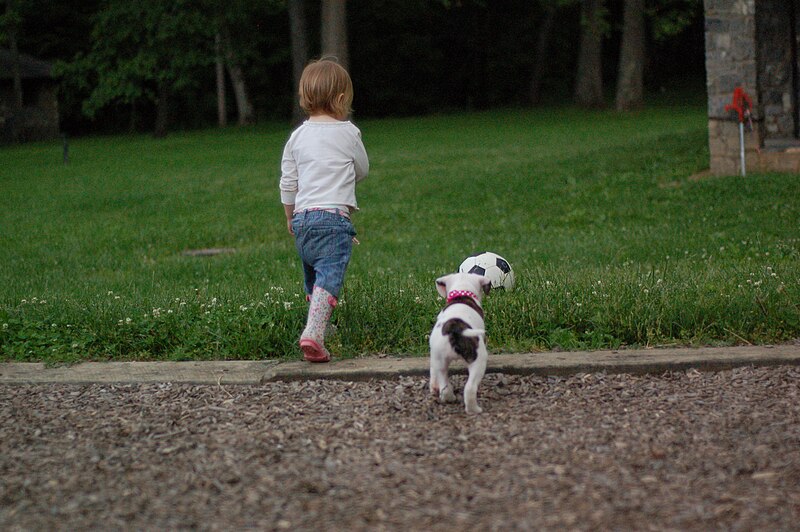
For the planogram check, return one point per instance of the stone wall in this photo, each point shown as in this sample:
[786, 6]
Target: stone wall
[730, 63]
[776, 72]
[743, 50]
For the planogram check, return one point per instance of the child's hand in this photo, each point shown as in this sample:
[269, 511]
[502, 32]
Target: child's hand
[288, 210]
[355, 241]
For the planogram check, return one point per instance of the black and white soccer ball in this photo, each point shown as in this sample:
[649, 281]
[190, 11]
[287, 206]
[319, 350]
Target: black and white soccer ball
[492, 266]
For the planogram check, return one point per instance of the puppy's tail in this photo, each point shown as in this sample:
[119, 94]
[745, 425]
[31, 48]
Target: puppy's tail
[463, 339]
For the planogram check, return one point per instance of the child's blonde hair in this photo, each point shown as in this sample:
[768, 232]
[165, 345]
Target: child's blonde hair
[325, 87]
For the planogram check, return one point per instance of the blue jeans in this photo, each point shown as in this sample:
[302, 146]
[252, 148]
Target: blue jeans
[324, 241]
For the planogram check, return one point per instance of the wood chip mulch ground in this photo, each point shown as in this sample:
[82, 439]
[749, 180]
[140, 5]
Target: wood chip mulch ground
[679, 451]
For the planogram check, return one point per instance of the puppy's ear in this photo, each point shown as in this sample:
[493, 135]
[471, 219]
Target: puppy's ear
[486, 284]
[441, 285]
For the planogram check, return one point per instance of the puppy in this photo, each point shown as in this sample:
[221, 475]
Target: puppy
[459, 333]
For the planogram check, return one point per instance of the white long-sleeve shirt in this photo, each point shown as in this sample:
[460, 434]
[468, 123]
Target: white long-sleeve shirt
[321, 164]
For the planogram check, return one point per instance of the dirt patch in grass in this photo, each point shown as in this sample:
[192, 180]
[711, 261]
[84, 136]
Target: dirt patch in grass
[684, 450]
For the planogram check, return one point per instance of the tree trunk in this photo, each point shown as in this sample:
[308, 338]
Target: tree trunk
[15, 71]
[243, 104]
[222, 115]
[630, 89]
[133, 122]
[334, 30]
[162, 111]
[589, 80]
[299, 38]
[541, 55]
[16, 75]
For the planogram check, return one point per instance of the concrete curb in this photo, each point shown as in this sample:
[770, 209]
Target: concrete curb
[638, 361]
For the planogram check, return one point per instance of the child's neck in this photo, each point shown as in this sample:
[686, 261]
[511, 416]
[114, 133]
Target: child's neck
[322, 117]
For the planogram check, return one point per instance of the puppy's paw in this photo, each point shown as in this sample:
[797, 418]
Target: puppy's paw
[446, 395]
[473, 409]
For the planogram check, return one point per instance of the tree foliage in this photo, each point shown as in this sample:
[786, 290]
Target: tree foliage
[405, 56]
[670, 17]
[139, 48]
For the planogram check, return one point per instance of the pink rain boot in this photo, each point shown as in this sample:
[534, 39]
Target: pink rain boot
[313, 338]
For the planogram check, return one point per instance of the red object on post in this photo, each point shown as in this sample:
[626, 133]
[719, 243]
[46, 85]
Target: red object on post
[742, 104]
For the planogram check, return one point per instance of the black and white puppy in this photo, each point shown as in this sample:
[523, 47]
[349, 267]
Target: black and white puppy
[459, 333]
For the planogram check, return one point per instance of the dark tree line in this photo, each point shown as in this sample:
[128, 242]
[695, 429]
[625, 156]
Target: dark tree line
[188, 63]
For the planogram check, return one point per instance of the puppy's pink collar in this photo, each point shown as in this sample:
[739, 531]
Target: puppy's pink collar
[453, 294]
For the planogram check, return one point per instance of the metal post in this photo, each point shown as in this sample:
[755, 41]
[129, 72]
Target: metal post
[66, 148]
[741, 147]
[743, 105]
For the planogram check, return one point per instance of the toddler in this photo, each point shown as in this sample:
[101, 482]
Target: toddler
[323, 160]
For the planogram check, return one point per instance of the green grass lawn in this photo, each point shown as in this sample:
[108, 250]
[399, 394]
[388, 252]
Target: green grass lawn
[612, 242]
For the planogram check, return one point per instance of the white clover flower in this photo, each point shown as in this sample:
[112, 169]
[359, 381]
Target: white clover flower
[287, 305]
[128, 321]
[5, 326]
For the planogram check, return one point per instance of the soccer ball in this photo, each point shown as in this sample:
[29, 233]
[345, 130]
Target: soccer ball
[492, 266]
